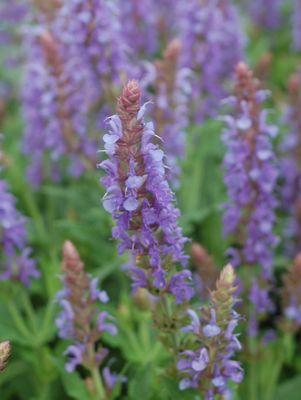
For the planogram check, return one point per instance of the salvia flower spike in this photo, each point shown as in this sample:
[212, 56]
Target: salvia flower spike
[250, 174]
[80, 319]
[55, 106]
[16, 262]
[266, 14]
[290, 149]
[5, 351]
[250, 178]
[206, 28]
[208, 364]
[172, 89]
[140, 200]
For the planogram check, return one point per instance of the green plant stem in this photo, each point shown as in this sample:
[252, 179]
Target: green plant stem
[252, 381]
[98, 385]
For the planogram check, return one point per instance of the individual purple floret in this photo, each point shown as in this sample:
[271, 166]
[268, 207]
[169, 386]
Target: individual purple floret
[265, 14]
[80, 319]
[56, 101]
[208, 365]
[296, 22]
[170, 110]
[213, 45]
[15, 261]
[250, 175]
[140, 200]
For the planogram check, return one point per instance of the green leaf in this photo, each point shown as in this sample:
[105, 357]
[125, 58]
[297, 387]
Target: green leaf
[289, 390]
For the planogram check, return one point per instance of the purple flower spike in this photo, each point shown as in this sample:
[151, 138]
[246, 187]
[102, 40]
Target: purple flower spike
[250, 176]
[266, 14]
[170, 110]
[15, 261]
[213, 45]
[80, 320]
[140, 200]
[208, 365]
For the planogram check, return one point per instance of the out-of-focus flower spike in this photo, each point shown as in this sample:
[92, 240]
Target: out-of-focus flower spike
[5, 351]
[170, 111]
[265, 14]
[206, 270]
[15, 261]
[250, 178]
[209, 30]
[80, 320]
[290, 149]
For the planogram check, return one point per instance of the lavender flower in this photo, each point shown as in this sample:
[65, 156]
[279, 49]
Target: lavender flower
[290, 166]
[291, 297]
[55, 105]
[265, 14]
[214, 44]
[250, 175]
[5, 350]
[16, 262]
[140, 200]
[81, 321]
[208, 365]
[170, 111]
[296, 21]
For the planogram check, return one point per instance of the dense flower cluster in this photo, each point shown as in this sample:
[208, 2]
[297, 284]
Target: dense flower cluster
[170, 113]
[208, 365]
[250, 175]
[291, 297]
[15, 260]
[140, 200]
[55, 106]
[291, 166]
[80, 319]
[214, 44]
[265, 14]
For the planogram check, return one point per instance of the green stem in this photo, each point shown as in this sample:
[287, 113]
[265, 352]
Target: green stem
[252, 381]
[98, 385]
